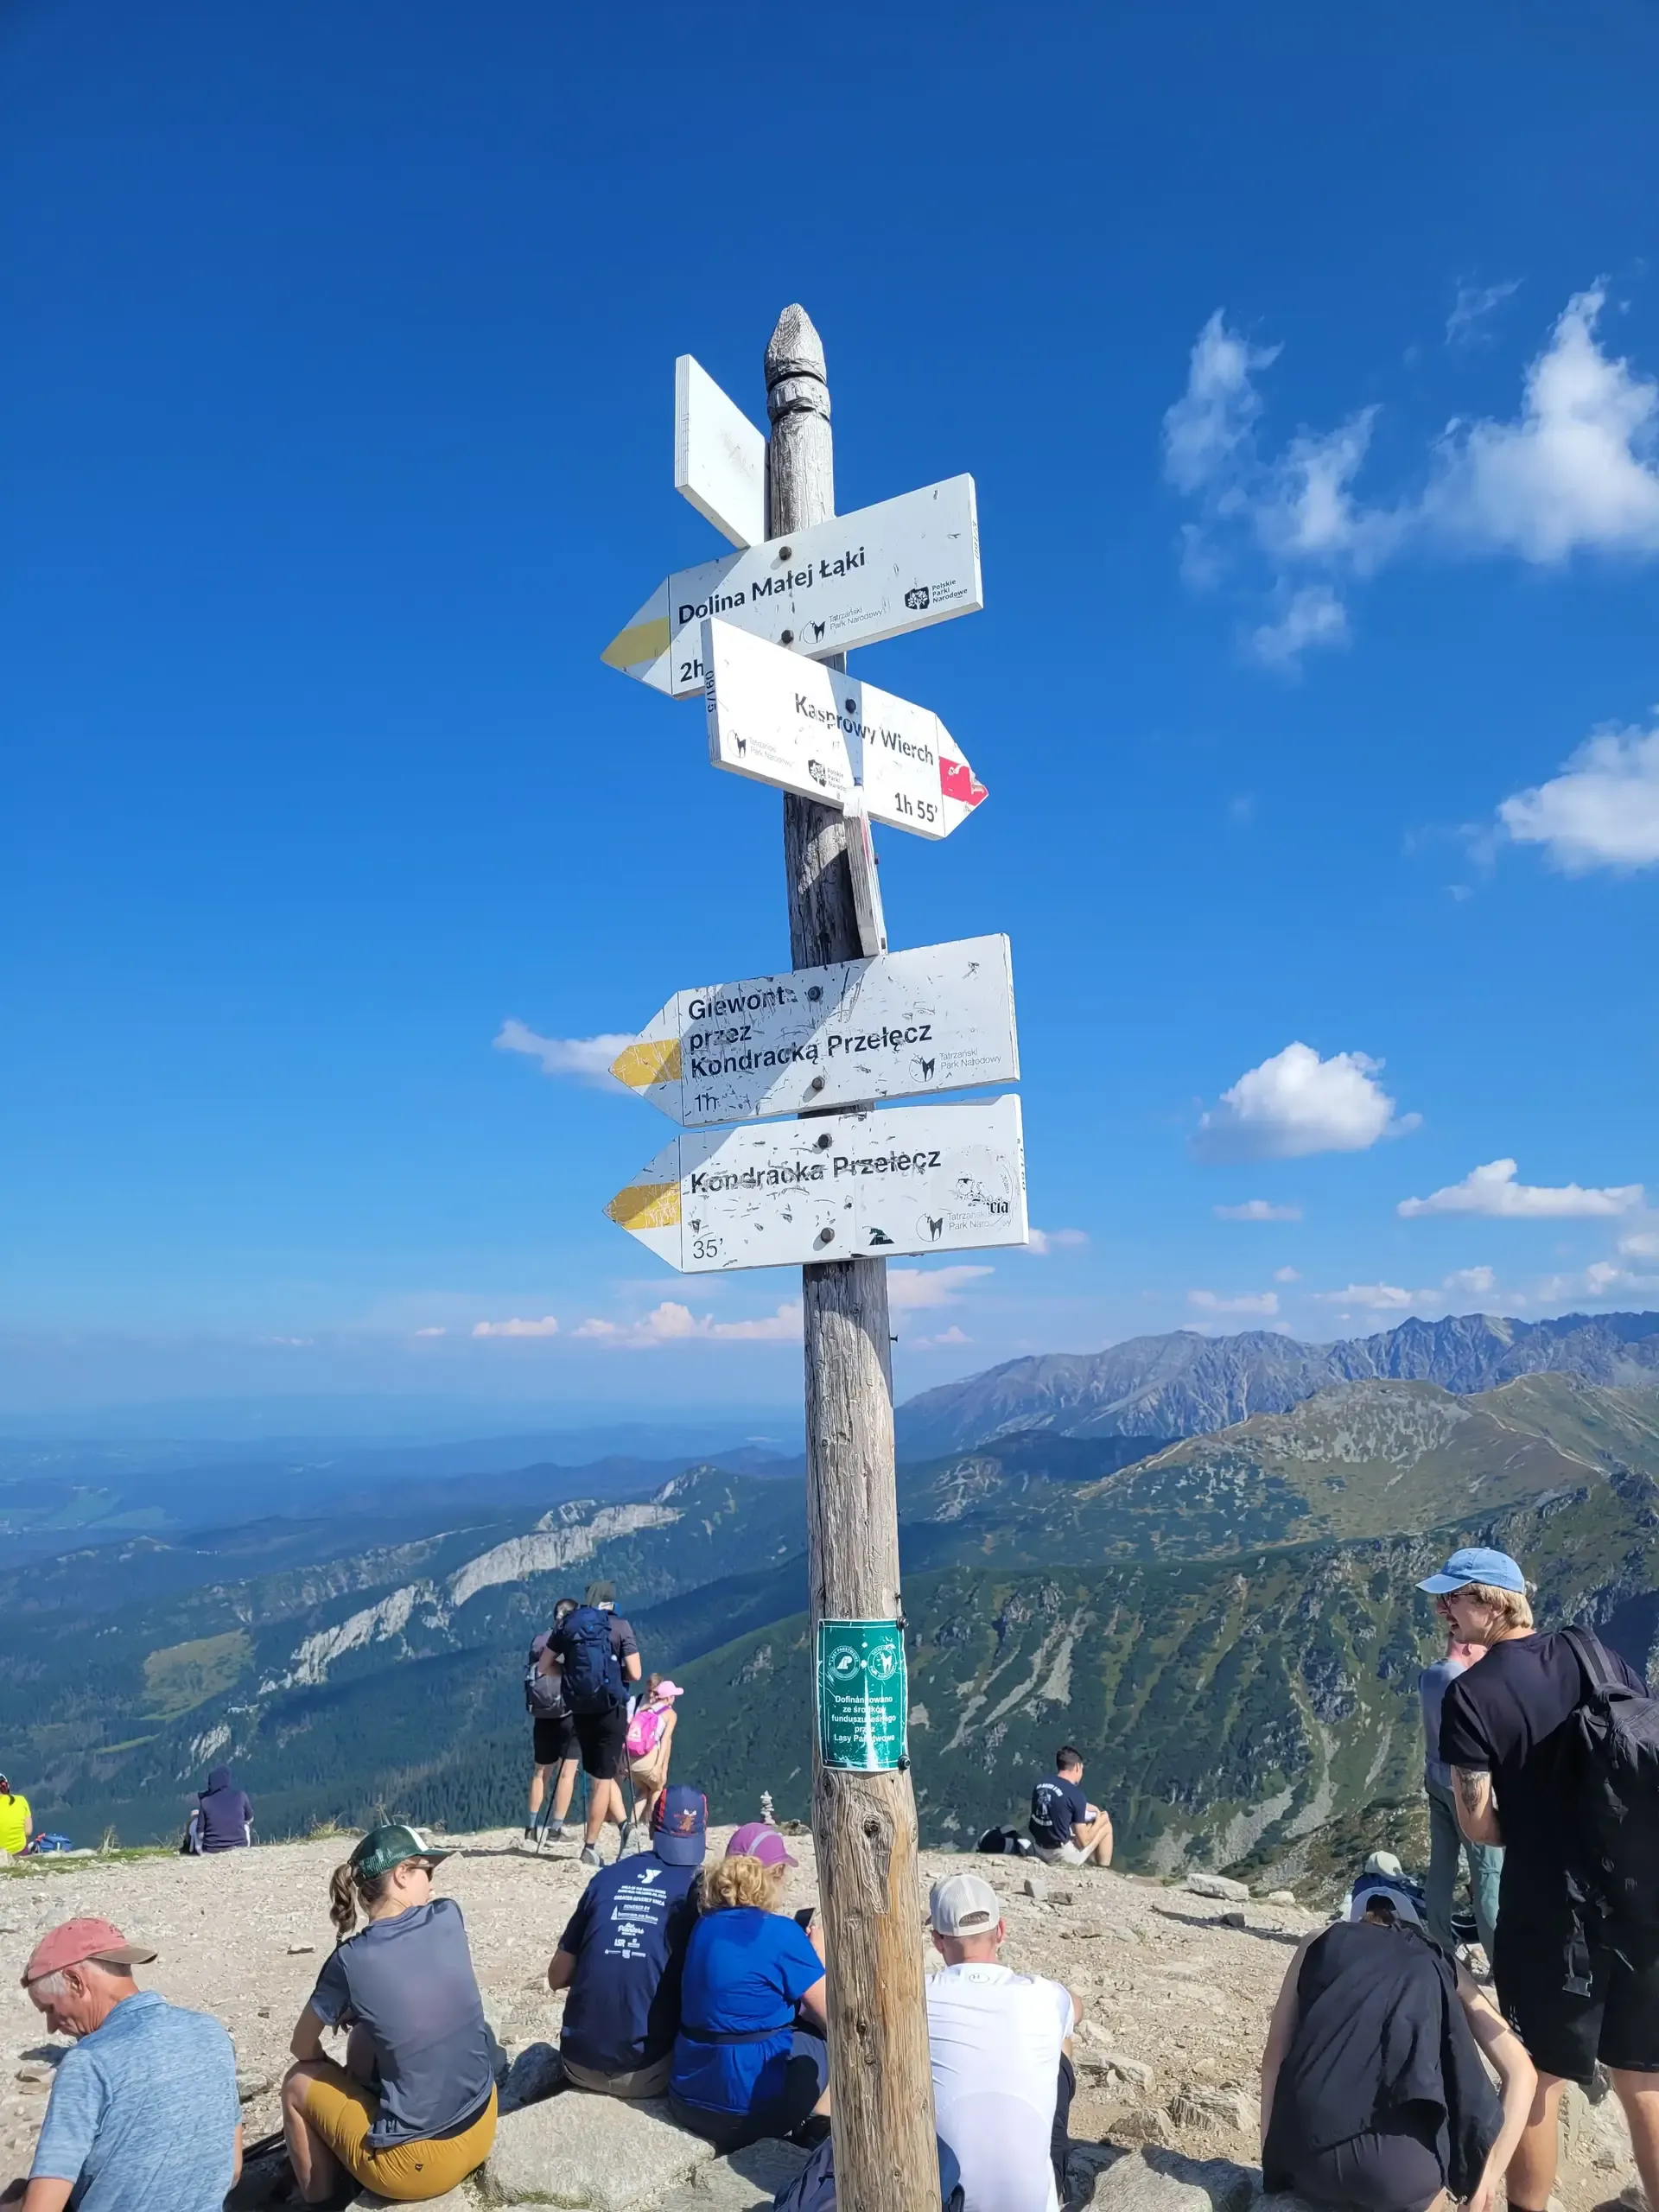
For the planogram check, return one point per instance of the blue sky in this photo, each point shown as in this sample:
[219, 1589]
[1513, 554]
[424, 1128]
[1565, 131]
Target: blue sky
[1307, 362]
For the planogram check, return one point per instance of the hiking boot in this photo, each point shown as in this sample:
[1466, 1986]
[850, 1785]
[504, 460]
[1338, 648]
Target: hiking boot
[590, 1855]
[529, 1832]
[553, 1832]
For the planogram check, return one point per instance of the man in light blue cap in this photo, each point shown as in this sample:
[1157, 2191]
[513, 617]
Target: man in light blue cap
[1502, 1727]
[1446, 1845]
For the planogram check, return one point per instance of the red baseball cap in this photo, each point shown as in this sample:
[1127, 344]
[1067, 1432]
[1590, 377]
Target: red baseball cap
[79, 1942]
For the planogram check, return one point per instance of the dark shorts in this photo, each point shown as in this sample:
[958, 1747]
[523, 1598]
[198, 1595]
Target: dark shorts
[556, 1740]
[1373, 2173]
[1618, 2022]
[806, 2079]
[602, 1737]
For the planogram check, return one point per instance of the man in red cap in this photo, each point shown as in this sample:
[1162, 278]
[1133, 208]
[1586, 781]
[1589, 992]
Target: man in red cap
[143, 2115]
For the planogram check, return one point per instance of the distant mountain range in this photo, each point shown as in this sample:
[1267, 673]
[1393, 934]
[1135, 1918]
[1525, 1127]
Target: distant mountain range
[1184, 1384]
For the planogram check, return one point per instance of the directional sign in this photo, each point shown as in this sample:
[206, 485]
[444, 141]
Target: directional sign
[939, 1018]
[720, 458]
[819, 732]
[904, 1178]
[896, 566]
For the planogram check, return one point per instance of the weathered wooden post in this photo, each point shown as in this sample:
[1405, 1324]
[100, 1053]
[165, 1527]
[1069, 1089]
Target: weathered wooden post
[863, 1825]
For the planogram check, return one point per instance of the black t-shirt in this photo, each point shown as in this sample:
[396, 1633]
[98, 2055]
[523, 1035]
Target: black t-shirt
[1504, 1717]
[1057, 1806]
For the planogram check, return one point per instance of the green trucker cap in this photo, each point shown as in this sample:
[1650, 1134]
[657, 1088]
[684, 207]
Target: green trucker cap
[389, 1845]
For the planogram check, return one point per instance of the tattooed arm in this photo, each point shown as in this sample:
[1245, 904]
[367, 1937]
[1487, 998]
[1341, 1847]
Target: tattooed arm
[1476, 1815]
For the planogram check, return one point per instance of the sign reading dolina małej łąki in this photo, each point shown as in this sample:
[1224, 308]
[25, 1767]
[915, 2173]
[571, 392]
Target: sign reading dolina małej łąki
[781, 719]
[907, 1179]
[936, 1018]
[896, 566]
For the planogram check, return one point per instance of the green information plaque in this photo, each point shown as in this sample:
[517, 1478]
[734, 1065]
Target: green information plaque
[863, 1696]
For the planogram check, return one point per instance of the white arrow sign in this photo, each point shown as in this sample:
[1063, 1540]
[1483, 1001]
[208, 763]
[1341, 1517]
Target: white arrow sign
[907, 1179]
[939, 1018]
[815, 730]
[720, 458]
[896, 566]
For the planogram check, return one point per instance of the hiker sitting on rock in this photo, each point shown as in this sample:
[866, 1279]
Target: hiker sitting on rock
[622, 1955]
[1065, 1828]
[1002, 2076]
[743, 2067]
[1373, 2094]
[412, 2111]
[223, 1819]
[144, 2112]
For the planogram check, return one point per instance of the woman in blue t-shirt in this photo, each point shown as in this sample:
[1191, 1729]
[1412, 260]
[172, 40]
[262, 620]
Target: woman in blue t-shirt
[743, 2067]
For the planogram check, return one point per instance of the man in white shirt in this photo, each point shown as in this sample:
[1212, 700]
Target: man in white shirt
[1003, 2080]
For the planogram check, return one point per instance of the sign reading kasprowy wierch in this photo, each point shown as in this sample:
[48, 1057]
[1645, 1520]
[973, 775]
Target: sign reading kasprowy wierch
[896, 566]
[937, 1018]
[814, 730]
[904, 1178]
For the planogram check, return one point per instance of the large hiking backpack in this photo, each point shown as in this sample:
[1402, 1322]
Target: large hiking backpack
[1609, 1783]
[543, 1693]
[593, 1673]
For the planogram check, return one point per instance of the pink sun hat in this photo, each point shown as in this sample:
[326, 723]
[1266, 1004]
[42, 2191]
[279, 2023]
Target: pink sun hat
[759, 1840]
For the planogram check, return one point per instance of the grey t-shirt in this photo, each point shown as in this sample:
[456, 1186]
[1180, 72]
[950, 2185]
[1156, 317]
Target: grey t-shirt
[410, 1982]
[1432, 1686]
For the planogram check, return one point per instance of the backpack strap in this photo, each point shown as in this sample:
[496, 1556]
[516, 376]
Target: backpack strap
[1587, 1648]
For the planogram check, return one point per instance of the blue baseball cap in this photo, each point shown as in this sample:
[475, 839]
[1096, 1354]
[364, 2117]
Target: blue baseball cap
[1476, 1564]
[679, 1826]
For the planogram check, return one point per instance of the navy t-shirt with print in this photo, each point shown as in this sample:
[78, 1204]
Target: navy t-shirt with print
[627, 1936]
[1057, 1806]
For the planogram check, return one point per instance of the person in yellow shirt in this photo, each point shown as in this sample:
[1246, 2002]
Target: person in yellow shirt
[15, 1817]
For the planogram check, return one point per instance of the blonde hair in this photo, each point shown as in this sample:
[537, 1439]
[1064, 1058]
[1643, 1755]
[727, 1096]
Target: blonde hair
[742, 1880]
[1511, 1606]
[350, 1891]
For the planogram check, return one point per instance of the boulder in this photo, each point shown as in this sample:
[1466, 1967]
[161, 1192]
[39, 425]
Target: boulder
[1195, 2104]
[1234, 1919]
[1281, 1897]
[1218, 1885]
[747, 2181]
[1106, 2068]
[533, 2075]
[591, 2154]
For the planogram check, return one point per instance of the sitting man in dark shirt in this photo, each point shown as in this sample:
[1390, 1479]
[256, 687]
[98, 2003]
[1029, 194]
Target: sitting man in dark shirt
[1501, 1730]
[223, 1820]
[1066, 1829]
[623, 1953]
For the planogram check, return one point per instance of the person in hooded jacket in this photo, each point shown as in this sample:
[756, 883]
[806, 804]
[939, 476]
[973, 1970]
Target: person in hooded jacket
[1373, 2093]
[223, 1820]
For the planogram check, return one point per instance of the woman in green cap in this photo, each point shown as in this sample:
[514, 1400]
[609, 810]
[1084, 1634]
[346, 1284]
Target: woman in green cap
[412, 2111]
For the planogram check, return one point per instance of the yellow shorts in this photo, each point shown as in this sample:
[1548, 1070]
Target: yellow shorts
[340, 2111]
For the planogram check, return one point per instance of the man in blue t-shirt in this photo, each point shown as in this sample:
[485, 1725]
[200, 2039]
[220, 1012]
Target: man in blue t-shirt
[1066, 1829]
[622, 1955]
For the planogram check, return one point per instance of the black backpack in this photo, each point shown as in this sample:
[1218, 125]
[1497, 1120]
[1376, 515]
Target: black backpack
[593, 1673]
[1007, 1843]
[543, 1693]
[1609, 1783]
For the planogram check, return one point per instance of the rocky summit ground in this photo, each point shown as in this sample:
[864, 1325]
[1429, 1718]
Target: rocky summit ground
[1176, 1987]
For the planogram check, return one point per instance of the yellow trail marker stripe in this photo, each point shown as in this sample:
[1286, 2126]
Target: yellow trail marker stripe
[646, 1205]
[657, 1060]
[645, 641]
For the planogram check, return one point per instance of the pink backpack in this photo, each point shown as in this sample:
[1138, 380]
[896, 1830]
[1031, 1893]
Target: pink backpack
[644, 1729]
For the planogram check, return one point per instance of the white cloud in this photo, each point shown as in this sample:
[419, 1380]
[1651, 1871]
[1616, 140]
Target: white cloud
[918, 1290]
[432, 1333]
[1601, 811]
[945, 1339]
[1470, 1282]
[1257, 1209]
[1209, 423]
[1573, 471]
[1286, 1274]
[1296, 1104]
[1256, 1301]
[1375, 1297]
[588, 1059]
[547, 1327]
[670, 1323]
[1044, 1241]
[1644, 1245]
[1492, 1191]
[1313, 616]
[1474, 303]
[1601, 1279]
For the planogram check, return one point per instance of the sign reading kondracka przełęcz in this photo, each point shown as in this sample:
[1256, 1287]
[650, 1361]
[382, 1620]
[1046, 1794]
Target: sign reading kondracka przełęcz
[863, 1696]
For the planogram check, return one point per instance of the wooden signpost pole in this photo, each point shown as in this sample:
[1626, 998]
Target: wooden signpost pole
[863, 1825]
